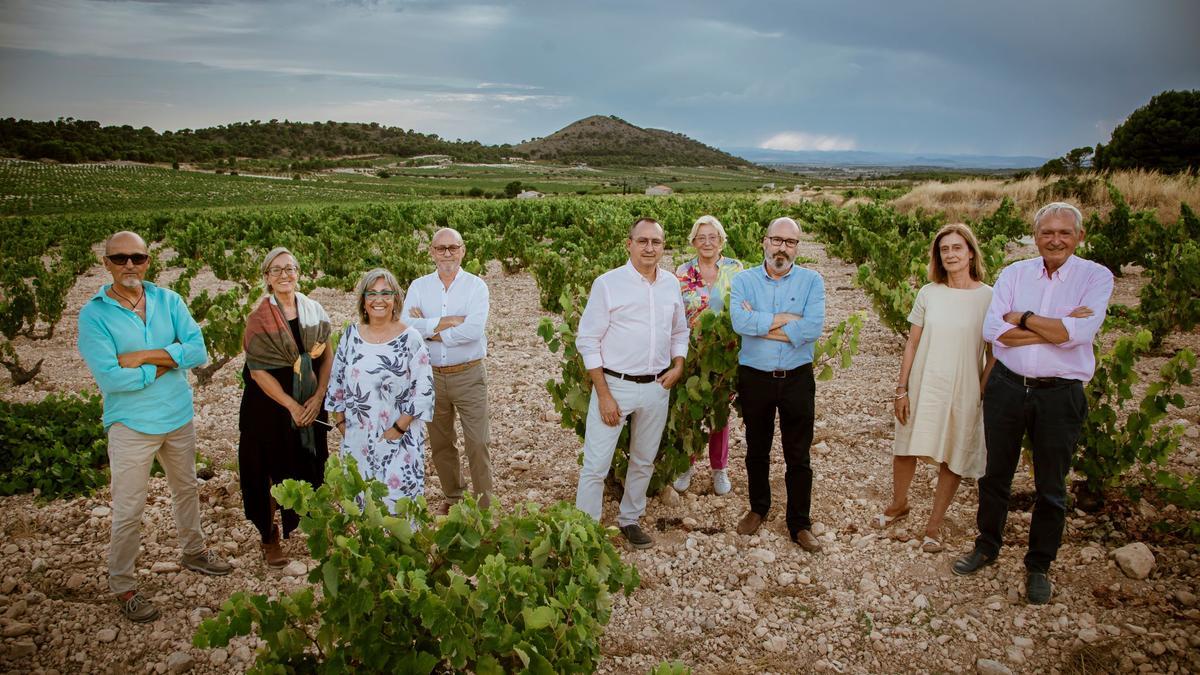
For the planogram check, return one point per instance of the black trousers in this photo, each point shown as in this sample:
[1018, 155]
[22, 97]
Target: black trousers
[1053, 417]
[761, 395]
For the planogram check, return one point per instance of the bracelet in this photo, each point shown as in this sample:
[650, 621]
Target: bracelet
[1025, 317]
[396, 426]
[900, 396]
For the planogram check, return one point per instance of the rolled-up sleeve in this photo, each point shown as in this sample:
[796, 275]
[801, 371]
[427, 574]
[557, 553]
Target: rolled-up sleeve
[473, 325]
[189, 352]
[679, 331]
[99, 351]
[1096, 298]
[593, 324]
[747, 321]
[994, 324]
[812, 322]
[425, 325]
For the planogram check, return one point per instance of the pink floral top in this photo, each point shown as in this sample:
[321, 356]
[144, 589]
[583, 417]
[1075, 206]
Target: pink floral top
[697, 296]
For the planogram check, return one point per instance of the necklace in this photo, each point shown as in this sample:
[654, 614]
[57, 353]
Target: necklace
[133, 305]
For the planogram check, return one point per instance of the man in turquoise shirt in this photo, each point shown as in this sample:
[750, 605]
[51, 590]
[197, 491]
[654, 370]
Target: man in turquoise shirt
[779, 310]
[139, 341]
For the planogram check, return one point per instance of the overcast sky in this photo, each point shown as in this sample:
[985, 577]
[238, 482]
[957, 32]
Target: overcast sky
[1027, 77]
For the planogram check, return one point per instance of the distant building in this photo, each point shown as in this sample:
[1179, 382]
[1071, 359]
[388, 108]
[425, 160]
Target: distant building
[659, 190]
[530, 194]
[768, 186]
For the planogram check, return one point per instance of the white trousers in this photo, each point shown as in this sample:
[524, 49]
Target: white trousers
[646, 407]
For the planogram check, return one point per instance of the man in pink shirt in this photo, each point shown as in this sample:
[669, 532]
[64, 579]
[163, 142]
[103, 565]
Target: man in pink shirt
[1044, 316]
[633, 337]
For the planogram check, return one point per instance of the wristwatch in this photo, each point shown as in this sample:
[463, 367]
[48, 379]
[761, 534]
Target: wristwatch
[1025, 317]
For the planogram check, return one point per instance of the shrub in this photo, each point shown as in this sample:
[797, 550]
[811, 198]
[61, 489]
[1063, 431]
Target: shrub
[1109, 445]
[527, 591]
[56, 446]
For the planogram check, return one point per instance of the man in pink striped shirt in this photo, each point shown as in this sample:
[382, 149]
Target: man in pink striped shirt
[1044, 317]
[633, 337]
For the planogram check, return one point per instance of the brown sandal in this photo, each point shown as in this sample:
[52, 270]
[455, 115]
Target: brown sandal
[272, 551]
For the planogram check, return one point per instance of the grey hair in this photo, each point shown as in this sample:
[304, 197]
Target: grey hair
[270, 257]
[451, 230]
[368, 280]
[1055, 208]
[707, 220]
[785, 219]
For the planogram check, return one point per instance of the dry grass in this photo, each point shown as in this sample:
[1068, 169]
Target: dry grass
[974, 199]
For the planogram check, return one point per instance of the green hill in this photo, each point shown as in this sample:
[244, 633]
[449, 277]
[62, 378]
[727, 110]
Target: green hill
[609, 141]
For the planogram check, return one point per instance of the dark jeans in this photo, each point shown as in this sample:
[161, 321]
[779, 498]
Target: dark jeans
[761, 395]
[1054, 418]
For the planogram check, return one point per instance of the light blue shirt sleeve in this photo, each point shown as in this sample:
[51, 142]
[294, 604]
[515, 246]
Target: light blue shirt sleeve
[190, 351]
[812, 322]
[747, 322]
[99, 351]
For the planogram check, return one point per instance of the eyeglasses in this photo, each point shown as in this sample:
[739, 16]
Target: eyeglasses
[450, 248]
[122, 258]
[780, 241]
[643, 242]
[379, 294]
[290, 270]
[706, 238]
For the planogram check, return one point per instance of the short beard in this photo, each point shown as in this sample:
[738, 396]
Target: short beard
[780, 262]
[127, 282]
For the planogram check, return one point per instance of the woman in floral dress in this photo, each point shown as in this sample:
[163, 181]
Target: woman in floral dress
[381, 390]
[704, 282]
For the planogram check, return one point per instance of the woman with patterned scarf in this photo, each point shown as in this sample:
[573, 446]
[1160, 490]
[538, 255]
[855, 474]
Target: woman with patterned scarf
[704, 282]
[282, 424]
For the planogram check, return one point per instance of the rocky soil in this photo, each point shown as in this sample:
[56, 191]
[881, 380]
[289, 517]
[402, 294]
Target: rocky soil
[722, 603]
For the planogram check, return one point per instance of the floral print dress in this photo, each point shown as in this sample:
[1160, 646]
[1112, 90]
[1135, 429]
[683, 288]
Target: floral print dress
[698, 296]
[373, 385]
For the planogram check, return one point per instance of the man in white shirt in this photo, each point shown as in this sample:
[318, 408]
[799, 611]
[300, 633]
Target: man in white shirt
[450, 309]
[633, 337]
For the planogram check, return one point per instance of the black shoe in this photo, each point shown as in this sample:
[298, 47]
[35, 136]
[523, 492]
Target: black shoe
[972, 562]
[636, 537]
[1037, 588]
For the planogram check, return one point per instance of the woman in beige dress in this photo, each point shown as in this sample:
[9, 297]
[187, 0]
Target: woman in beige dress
[937, 404]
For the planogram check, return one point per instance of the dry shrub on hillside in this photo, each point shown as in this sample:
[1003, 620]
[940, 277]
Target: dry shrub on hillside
[976, 198]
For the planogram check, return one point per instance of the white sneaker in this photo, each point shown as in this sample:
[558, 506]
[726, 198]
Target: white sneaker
[682, 483]
[721, 482]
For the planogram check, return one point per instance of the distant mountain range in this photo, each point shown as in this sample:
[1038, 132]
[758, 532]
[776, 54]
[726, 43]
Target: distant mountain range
[862, 158]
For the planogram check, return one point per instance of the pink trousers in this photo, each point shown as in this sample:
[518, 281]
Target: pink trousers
[718, 449]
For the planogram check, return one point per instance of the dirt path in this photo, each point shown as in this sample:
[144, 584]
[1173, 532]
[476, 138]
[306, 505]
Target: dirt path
[719, 602]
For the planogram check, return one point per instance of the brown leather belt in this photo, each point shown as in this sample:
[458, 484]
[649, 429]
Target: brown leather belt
[456, 368]
[637, 379]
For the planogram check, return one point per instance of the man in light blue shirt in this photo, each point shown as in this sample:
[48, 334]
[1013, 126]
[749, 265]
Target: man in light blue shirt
[779, 310]
[139, 341]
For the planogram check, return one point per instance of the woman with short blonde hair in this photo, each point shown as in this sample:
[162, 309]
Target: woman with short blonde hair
[704, 282]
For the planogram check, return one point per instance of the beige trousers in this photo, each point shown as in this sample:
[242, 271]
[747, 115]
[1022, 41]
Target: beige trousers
[464, 393]
[130, 455]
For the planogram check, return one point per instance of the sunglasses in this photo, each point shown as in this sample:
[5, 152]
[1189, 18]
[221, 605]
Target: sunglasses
[122, 258]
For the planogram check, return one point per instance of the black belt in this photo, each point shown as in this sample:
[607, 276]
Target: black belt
[638, 379]
[1033, 382]
[781, 374]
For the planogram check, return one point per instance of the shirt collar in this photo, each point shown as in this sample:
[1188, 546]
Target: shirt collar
[102, 294]
[1063, 273]
[658, 276]
[763, 269]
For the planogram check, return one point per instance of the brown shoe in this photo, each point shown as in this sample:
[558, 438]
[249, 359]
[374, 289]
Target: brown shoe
[442, 509]
[805, 540]
[749, 523]
[273, 552]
